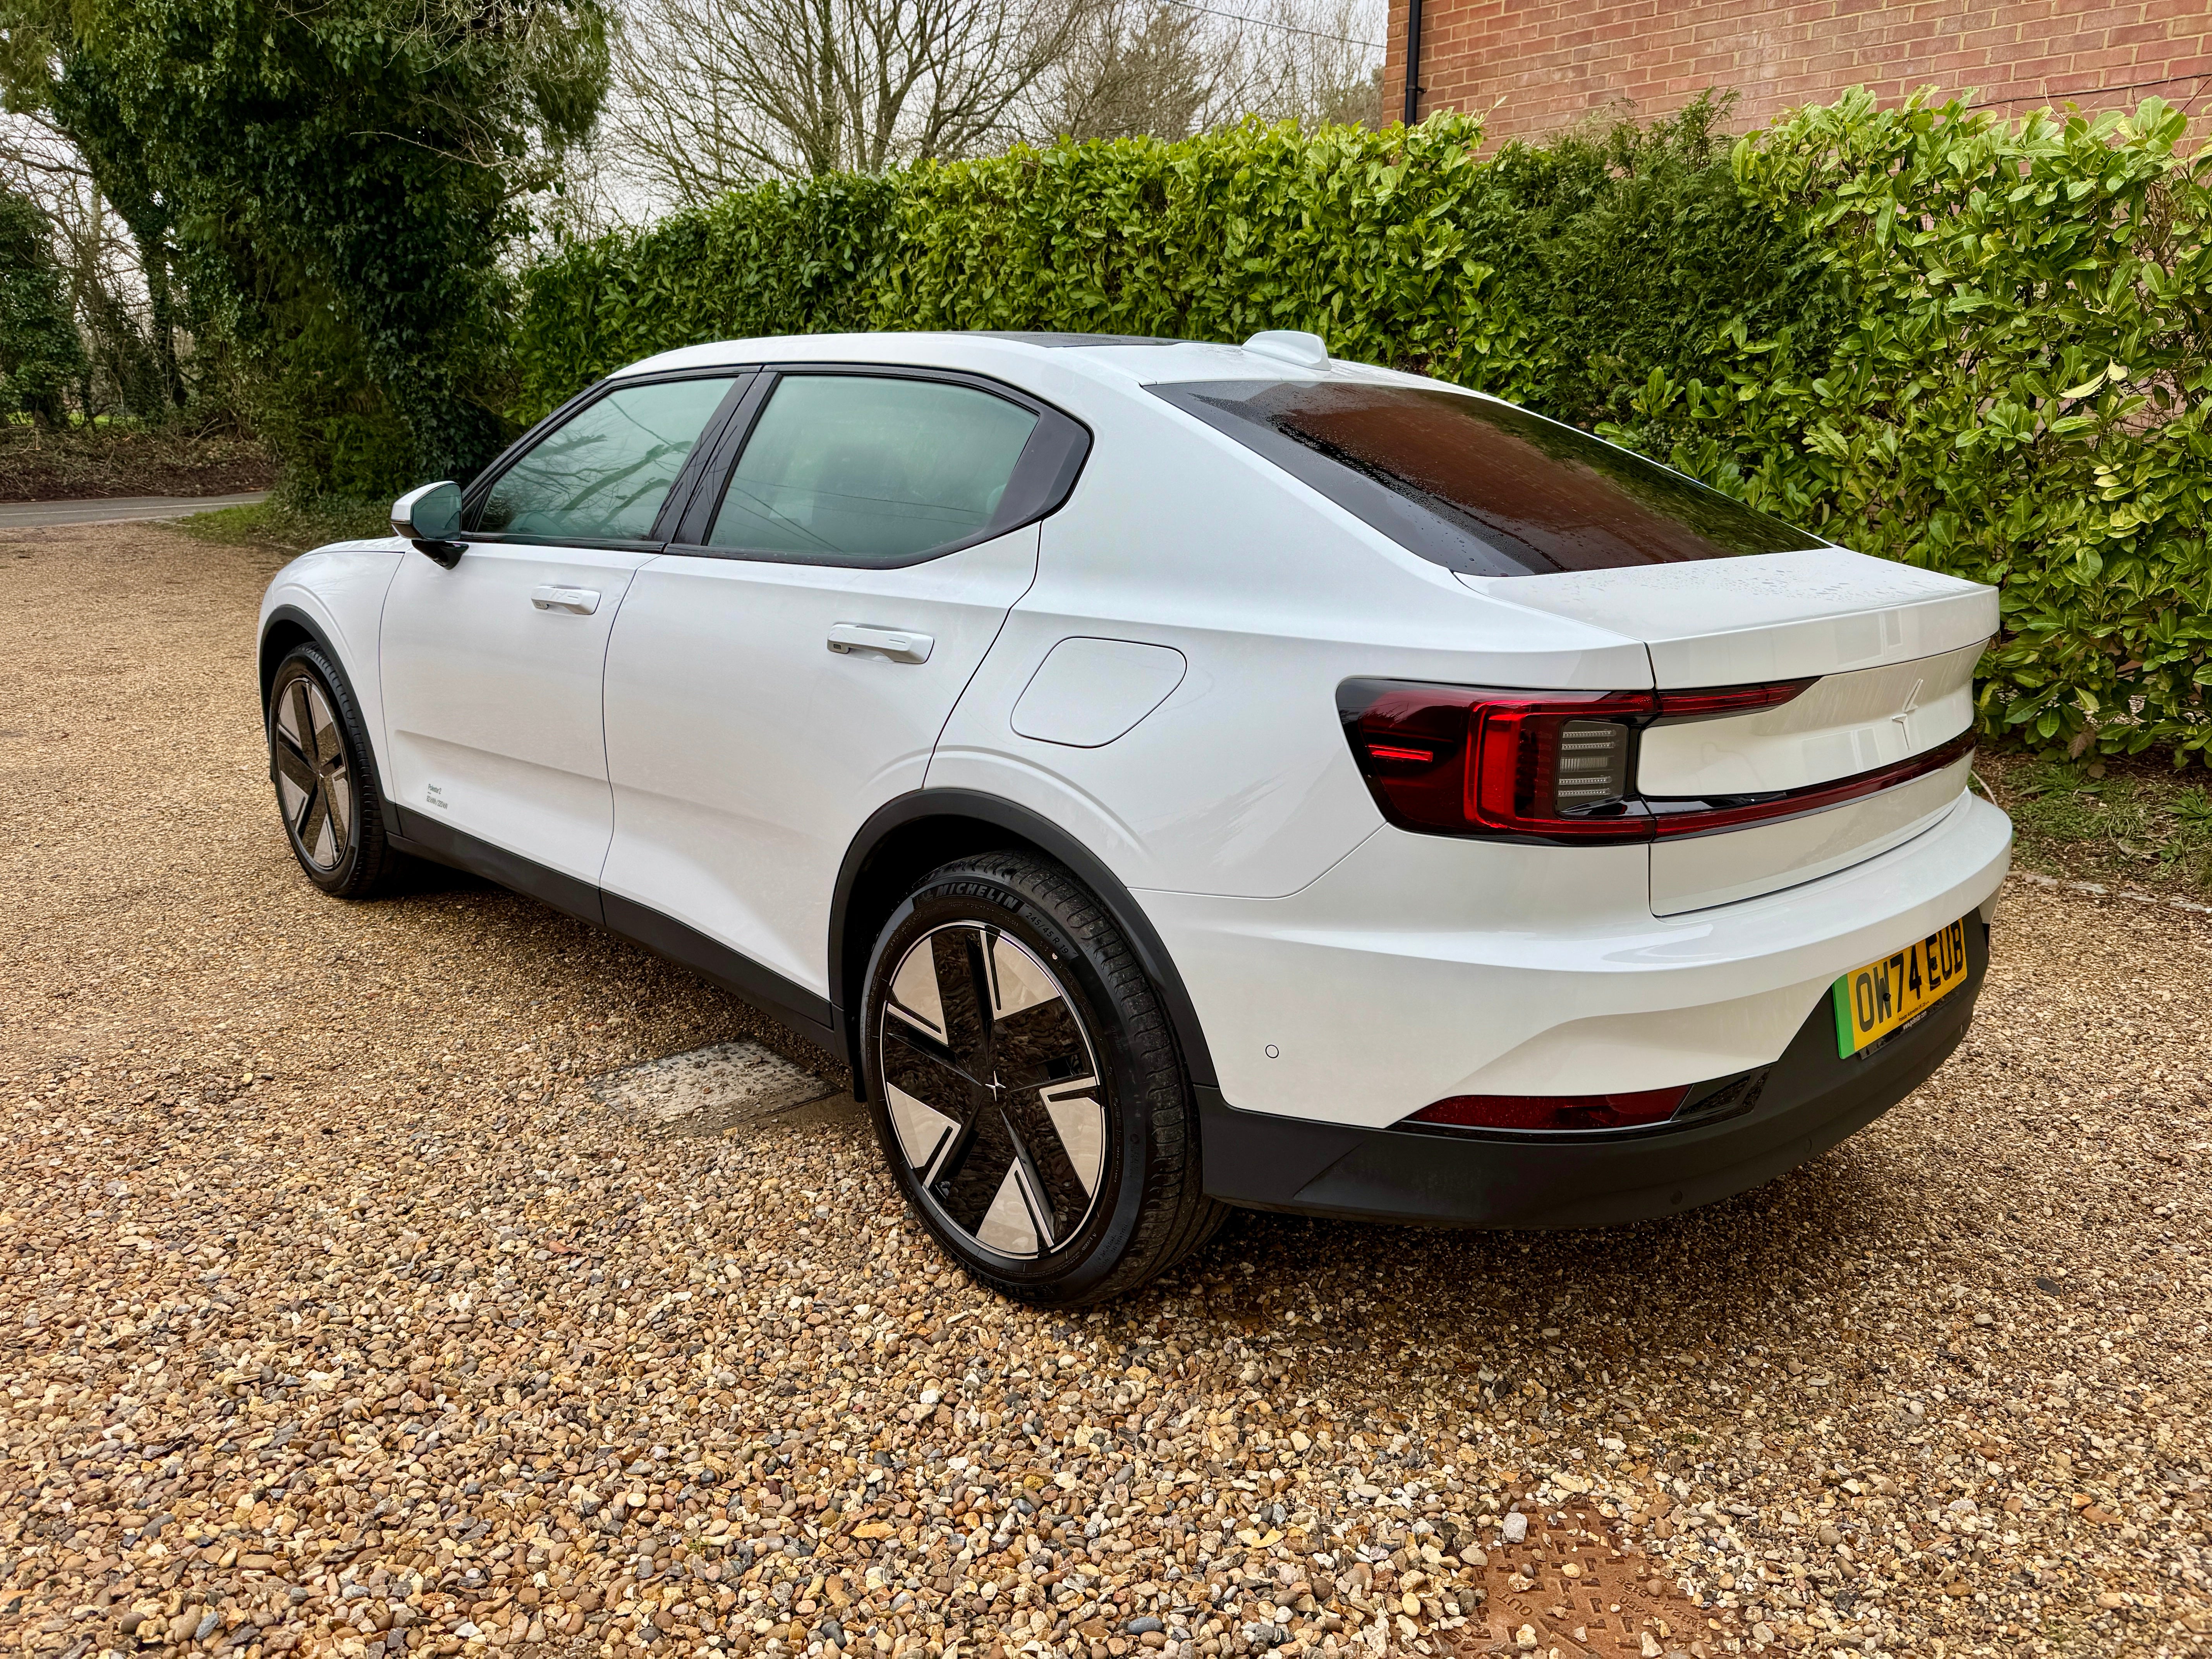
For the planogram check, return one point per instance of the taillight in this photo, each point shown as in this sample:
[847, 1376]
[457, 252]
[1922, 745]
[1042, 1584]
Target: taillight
[1617, 1111]
[1676, 708]
[1458, 761]
[1560, 766]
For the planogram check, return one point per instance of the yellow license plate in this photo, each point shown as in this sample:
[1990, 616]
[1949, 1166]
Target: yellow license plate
[1873, 1001]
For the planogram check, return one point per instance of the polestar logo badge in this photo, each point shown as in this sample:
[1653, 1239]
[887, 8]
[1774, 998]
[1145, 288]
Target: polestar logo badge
[994, 1085]
[1912, 708]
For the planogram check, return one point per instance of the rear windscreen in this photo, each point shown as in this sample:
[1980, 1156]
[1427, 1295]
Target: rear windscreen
[1480, 486]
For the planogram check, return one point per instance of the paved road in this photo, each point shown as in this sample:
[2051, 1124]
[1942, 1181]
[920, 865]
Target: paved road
[24, 515]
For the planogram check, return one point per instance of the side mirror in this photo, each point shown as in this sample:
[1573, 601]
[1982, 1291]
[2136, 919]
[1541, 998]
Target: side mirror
[429, 517]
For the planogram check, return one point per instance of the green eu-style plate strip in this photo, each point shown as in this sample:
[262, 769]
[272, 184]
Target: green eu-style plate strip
[1847, 1027]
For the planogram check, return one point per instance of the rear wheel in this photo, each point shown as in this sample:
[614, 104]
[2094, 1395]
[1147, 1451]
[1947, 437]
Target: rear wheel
[325, 780]
[1027, 1088]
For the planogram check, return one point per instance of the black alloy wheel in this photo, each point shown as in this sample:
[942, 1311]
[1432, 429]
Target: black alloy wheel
[318, 759]
[1027, 1090]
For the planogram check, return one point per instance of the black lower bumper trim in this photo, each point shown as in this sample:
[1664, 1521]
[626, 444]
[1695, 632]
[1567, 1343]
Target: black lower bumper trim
[1809, 1100]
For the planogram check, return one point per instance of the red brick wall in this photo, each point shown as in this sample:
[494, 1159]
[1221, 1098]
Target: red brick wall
[1538, 65]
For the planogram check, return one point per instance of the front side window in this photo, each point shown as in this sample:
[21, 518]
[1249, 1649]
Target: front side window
[603, 474]
[1480, 486]
[863, 470]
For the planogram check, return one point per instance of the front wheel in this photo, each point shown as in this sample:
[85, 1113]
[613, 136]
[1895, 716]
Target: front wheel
[1027, 1088]
[325, 779]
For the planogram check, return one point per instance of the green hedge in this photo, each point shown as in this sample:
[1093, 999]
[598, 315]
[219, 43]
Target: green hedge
[1977, 345]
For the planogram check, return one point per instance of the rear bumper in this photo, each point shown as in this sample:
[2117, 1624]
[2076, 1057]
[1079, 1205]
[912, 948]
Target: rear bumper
[1807, 1102]
[1421, 967]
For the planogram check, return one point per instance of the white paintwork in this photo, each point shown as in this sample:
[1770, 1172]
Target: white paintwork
[492, 703]
[1836, 727]
[342, 587]
[745, 756]
[1422, 967]
[1088, 692]
[1694, 872]
[1767, 617]
[1384, 970]
[1241, 782]
[1293, 345]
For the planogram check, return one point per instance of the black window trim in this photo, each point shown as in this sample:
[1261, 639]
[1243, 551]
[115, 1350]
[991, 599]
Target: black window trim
[742, 378]
[1044, 476]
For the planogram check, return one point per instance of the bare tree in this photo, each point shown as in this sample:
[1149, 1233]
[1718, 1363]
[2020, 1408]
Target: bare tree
[715, 93]
[1315, 61]
[128, 359]
[712, 95]
[1144, 67]
[1170, 67]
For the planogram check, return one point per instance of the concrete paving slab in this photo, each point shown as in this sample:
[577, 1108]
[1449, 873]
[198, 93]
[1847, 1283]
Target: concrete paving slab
[709, 1090]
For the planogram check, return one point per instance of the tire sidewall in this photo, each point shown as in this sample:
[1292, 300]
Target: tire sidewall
[305, 662]
[972, 893]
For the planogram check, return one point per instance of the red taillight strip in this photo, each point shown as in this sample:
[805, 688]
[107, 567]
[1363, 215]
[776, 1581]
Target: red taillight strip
[1554, 1114]
[1399, 754]
[1672, 816]
[1721, 700]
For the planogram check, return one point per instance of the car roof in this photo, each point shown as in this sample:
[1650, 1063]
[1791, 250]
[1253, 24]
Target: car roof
[1133, 360]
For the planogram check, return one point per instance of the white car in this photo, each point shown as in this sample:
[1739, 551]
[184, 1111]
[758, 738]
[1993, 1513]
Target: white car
[1183, 776]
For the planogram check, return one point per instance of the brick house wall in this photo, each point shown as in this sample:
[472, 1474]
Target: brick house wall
[1539, 65]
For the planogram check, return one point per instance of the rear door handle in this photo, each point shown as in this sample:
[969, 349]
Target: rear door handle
[899, 644]
[577, 601]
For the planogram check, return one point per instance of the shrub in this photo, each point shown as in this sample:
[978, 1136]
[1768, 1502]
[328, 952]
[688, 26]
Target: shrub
[1939, 336]
[2020, 395]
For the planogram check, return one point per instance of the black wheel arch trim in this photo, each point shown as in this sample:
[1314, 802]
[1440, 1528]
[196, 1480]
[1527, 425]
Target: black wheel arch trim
[266, 659]
[847, 966]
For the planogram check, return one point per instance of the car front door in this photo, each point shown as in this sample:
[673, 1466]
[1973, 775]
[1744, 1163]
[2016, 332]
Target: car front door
[492, 668]
[784, 668]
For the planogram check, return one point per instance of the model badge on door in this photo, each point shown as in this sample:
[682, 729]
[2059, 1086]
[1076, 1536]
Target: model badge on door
[434, 796]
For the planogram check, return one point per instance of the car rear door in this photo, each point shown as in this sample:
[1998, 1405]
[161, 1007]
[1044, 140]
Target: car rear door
[784, 667]
[491, 668]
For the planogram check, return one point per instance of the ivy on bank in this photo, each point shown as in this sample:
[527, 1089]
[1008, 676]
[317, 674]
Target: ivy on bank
[1980, 345]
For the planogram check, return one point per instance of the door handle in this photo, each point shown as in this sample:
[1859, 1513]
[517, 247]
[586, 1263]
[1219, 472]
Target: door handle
[899, 644]
[577, 601]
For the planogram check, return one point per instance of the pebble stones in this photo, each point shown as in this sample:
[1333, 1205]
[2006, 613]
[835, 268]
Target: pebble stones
[399, 1339]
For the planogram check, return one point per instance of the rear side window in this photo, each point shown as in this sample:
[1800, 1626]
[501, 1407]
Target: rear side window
[1479, 486]
[867, 470]
[603, 474]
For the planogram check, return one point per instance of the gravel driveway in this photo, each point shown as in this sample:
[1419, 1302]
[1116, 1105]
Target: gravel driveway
[344, 1313]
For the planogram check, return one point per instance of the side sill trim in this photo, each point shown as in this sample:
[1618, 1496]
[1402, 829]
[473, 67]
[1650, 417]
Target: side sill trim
[792, 1005]
[788, 1002]
[426, 836]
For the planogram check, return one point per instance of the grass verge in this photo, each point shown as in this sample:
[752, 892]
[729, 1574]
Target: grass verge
[290, 527]
[2136, 823]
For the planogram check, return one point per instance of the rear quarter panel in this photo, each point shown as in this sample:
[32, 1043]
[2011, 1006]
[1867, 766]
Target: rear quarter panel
[1240, 783]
